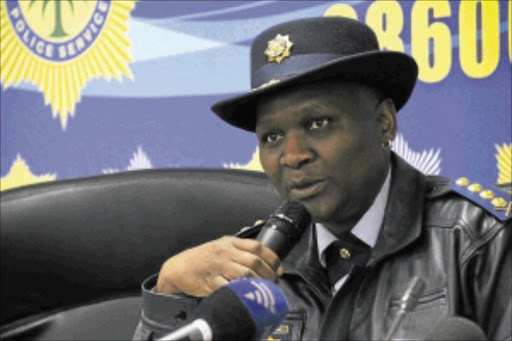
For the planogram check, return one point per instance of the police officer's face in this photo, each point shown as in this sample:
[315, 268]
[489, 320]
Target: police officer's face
[321, 145]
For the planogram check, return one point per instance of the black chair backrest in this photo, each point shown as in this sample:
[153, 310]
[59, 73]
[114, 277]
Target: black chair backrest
[74, 242]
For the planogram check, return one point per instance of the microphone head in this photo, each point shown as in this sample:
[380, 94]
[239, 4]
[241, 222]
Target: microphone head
[457, 328]
[244, 309]
[413, 292]
[292, 219]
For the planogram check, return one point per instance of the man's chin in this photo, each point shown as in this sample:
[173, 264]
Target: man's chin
[319, 213]
[317, 207]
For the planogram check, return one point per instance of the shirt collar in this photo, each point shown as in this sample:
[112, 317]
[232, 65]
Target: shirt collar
[366, 229]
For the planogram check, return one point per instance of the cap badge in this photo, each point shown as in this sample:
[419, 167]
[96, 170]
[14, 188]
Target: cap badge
[278, 48]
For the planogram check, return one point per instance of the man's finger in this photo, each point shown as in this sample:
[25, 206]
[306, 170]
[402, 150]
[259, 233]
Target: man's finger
[255, 263]
[258, 249]
[213, 283]
[235, 270]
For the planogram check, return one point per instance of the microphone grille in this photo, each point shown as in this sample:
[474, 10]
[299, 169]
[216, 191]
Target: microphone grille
[295, 214]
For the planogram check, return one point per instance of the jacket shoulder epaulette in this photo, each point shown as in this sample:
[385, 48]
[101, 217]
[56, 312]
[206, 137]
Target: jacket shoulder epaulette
[437, 186]
[492, 198]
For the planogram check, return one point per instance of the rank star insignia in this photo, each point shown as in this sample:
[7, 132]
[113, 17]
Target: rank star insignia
[278, 48]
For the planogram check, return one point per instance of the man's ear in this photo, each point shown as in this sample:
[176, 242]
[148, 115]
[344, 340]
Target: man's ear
[386, 115]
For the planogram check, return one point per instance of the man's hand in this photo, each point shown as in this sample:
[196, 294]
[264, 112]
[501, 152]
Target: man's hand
[200, 270]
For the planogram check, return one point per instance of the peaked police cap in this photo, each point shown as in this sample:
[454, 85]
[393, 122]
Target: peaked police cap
[313, 50]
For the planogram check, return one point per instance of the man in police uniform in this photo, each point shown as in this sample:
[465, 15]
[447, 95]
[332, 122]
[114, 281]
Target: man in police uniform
[323, 107]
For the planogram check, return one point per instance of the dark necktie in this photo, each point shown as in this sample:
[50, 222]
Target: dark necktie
[341, 255]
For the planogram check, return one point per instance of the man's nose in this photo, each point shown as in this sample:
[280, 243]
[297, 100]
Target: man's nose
[296, 151]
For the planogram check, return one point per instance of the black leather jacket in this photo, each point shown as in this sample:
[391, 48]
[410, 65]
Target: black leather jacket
[460, 250]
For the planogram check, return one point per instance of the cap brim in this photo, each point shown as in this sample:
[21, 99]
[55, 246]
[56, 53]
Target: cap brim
[394, 73]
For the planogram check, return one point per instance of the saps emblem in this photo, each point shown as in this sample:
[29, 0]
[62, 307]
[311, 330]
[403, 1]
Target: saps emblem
[61, 45]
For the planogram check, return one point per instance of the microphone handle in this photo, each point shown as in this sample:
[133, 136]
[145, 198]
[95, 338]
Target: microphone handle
[415, 288]
[275, 240]
[396, 323]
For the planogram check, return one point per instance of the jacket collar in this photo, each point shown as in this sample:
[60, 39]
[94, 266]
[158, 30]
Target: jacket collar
[303, 261]
[401, 226]
[403, 219]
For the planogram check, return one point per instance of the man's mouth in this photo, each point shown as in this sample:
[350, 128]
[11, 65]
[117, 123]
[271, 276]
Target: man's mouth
[305, 189]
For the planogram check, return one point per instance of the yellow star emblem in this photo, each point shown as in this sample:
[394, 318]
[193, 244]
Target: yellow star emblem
[21, 175]
[278, 48]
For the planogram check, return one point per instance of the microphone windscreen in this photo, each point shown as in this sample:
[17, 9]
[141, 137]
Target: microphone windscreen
[457, 328]
[264, 300]
[226, 315]
[292, 219]
[244, 309]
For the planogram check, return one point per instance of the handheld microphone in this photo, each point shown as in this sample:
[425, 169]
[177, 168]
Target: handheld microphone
[244, 309]
[457, 328]
[284, 228]
[407, 303]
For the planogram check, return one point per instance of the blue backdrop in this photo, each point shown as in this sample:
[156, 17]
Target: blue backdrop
[182, 56]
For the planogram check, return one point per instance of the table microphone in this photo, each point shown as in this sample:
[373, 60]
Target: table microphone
[409, 300]
[456, 328]
[244, 309]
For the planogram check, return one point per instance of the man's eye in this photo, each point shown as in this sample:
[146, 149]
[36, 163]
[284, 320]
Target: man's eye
[318, 123]
[270, 137]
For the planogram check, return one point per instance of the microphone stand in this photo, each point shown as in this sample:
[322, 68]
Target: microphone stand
[408, 302]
